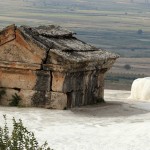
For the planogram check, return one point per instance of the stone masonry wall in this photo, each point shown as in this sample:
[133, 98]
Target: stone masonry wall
[48, 89]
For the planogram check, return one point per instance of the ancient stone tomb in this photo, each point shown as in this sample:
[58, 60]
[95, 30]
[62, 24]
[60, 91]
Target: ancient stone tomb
[48, 67]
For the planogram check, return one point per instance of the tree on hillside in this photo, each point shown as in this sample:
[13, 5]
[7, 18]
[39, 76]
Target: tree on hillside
[140, 31]
[127, 66]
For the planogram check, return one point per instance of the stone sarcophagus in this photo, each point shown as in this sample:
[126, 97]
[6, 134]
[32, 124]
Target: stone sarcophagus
[48, 67]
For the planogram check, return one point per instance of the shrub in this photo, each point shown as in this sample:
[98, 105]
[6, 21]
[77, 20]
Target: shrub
[140, 31]
[15, 100]
[20, 138]
[127, 67]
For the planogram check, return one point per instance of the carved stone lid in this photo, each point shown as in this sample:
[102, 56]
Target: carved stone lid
[50, 45]
[53, 31]
[57, 38]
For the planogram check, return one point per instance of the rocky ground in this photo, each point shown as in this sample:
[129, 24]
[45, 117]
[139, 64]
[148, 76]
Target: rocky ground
[119, 124]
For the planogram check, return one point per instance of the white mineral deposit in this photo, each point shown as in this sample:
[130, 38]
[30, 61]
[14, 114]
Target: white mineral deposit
[119, 124]
[140, 89]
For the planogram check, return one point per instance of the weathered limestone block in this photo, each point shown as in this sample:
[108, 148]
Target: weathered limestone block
[54, 59]
[58, 101]
[53, 31]
[74, 82]
[7, 97]
[58, 79]
[54, 100]
[26, 97]
[67, 82]
[25, 79]
[21, 79]
[82, 88]
[78, 81]
[43, 81]
[32, 98]
[7, 35]
[91, 92]
[99, 90]
[29, 98]
[41, 99]
[34, 51]
[14, 52]
[109, 63]
[75, 98]
[16, 46]
[84, 97]
[74, 61]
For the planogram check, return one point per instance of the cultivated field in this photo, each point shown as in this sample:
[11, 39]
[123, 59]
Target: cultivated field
[138, 66]
[111, 24]
[121, 26]
[121, 77]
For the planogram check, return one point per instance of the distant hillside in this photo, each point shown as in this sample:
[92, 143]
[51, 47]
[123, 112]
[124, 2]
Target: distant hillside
[108, 24]
[125, 71]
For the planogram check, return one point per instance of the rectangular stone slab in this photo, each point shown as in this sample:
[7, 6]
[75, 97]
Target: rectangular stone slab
[53, 100]
[58, 79]
[25, 79]
[17, 78]
[43, 81]
[18, 65]
[58, 100]
[76, 81]
[35, 98]
[29, 98]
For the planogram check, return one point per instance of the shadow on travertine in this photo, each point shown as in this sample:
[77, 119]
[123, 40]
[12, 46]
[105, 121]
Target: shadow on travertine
[109, 109]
